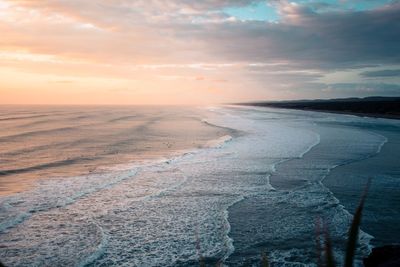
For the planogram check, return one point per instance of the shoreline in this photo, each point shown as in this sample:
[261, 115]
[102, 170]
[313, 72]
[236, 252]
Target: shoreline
[374, 107]
[377, 167]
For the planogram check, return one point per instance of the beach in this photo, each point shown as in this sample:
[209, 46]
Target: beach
[376, 107]
[255, 181]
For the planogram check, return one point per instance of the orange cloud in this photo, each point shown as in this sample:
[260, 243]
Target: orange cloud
[174, 52]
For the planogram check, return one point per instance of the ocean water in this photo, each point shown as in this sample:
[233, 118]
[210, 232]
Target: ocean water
[166, 186]
[49, 141]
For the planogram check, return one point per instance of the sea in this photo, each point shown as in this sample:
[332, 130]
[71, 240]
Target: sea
[184, 186]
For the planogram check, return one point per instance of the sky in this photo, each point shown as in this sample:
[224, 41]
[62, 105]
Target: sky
[146, 52]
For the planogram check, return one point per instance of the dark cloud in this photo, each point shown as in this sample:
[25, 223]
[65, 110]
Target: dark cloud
[331, 40]
[366, 88]
[381, 73]
[337, 90]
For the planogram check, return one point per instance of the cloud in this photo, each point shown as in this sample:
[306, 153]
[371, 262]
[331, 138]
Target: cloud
[62, 81]
[189, 38]
[369, 88]
[165, 32]
[331, 40]
[381, 73]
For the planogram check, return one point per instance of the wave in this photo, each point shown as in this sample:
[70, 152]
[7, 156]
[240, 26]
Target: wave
[233, 132]
[151, 217]
[35, 148]
[367, 156]
[123, 118]
[42, 203]
[24, 117]
[132, 169]
[99, 251]
[365, 238]
[219, 142]
[14, 221]
[43, 166]
[9, 138]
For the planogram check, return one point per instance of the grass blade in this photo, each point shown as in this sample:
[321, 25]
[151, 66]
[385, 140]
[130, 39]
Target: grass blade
[353, 233]
[264, 260]
[198, 248]
[330, 261]
[318, 241]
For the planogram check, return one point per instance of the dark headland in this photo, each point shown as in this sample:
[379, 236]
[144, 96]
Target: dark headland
[375, 106]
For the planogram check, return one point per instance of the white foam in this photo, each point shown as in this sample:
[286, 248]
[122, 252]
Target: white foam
[218, 143]
[145, 213]
[98, 252]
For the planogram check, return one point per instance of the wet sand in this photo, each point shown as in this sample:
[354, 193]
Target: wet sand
[381, 212]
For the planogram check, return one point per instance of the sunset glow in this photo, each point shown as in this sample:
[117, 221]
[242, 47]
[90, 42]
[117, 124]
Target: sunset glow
[193, 52]
[185, 133]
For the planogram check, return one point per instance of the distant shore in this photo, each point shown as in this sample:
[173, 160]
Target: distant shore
[381, 107]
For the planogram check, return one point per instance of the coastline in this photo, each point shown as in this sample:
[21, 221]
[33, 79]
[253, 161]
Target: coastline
[216, 195]
[347, 187]
[375, 107]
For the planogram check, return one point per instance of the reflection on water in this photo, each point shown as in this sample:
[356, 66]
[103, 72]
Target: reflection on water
[42, 142]
[257, 188]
